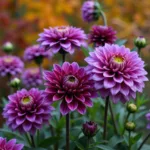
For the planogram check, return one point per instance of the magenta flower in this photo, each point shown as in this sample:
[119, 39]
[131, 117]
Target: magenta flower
[118, 72]
[63, 38]
[10, 65]
[34, 52]
[89, 129]
[27, 111]
[10, 145]
[91, 10]
[100, 35]
[32, 77]
[148, 119]
[72, 85]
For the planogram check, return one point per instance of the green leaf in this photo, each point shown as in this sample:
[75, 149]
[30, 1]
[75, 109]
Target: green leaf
[136, 138]
[11, 134]
[49, 141]
[104, 147]
[79, 145]
[121, 42]
[115, 140]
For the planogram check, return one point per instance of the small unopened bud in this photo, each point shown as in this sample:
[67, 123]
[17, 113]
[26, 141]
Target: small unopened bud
[132, 108]
[89, 129]
[130, 126]
[15, 83]
[8, 47]
[140, 42]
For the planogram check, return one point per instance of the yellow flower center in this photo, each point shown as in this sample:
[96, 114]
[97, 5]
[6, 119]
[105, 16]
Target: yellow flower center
[62, 29]
[8, 60]
[118, 59]
[34, 71]
[27, 100]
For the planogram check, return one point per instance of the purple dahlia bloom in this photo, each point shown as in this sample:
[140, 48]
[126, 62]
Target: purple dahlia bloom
[70, 84]
[89, 128]
[10, 65]
[32, 77]
[10, 145]
[27, 111]
[36, 51]
[148, 119]
[118, 72]
[62, 39]
[91, 11]
[100, 35]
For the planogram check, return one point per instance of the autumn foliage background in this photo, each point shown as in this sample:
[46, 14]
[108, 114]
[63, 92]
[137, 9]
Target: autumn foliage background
[22, 20]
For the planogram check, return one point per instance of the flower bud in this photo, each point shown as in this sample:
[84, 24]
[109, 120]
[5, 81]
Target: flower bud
[132, 108]
[91, 10]
[8, 47]
[15, 83]
[140, 42]
[89, 129]
[130, 126]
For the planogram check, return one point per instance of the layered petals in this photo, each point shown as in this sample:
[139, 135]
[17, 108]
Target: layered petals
[118, 72]
[74, 87]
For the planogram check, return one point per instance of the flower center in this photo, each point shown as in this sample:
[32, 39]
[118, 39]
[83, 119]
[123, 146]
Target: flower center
[8, 60]
[70, 81]
[34, 71]
[26, 101]
[62, 29]
[118, 59]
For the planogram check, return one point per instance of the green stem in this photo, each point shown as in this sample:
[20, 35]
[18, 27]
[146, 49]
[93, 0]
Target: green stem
[125, 122]
[88, 142]
[32, 141]
[105, 118]
[67, 132]
[104, 18]
[28, 139]
[113, 118]
[139, 51]
[129, 140]
[146, 138]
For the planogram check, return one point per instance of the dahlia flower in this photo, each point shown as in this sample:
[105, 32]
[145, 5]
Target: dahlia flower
[91, 11]
[70, 84]
[32, 77]
[100, 35]
[118, 72]
[89, 128]
[27, 111]
[10, 65]
[148, 119]
[34, 52]
[62, 39]
[10, 145]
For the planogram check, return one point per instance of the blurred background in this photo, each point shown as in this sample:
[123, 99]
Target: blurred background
[22, 20]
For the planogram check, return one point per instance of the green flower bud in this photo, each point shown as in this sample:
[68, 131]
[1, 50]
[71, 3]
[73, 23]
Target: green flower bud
[140, 42]
[8, 47]
[15, 83]
[132, 108]
[130, 126]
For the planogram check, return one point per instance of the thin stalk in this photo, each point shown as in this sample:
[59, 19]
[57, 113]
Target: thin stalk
[67, 132]
[113, 118]
[130, 140]
[125, 122]
[41, 72]
[105, 118]
[146, 138]
[32, 141]
[28, 139]
[139, 51]
[38, 136]
[63, 57]
[88, 142]
[104, 18]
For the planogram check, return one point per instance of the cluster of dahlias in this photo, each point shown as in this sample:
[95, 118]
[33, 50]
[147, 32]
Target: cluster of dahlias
[113, 71]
